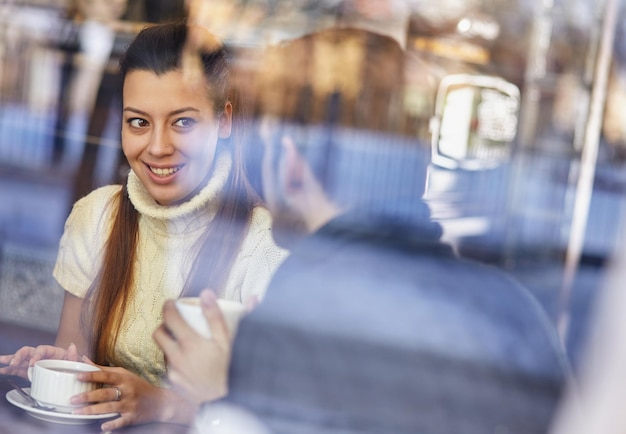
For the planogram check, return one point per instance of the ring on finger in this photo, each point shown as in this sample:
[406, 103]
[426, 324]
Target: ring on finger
[118, 393]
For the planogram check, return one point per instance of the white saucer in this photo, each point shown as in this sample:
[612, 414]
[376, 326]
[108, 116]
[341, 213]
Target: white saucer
[18, 400]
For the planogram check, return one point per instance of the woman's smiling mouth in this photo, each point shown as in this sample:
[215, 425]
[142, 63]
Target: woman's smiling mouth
[164, 171]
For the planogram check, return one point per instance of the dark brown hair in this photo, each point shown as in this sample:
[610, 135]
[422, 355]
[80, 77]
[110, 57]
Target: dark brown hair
[160, 49]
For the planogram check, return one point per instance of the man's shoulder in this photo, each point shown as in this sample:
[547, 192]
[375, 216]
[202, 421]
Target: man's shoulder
[451, 299]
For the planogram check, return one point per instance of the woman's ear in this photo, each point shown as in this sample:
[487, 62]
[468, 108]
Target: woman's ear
[226, 121]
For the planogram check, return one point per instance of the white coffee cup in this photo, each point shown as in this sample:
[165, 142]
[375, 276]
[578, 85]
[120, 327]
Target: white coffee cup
[54, 382]
[191, 309]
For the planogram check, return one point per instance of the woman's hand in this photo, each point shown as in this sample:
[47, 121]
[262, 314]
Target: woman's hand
[197, 366]
[136, 400]
[19, 362]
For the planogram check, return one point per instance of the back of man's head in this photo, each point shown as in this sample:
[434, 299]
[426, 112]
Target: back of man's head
[300, 80]
[339, 93]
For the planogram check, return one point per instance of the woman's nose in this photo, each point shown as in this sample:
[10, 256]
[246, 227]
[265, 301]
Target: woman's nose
[160, 143]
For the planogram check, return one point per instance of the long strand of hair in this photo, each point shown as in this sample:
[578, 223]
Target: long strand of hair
[109, 294]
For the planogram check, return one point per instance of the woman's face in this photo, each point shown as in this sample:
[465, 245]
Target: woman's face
[169, 134]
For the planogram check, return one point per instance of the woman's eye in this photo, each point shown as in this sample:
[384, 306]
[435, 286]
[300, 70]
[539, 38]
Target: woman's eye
[185, 122]
[137, 122]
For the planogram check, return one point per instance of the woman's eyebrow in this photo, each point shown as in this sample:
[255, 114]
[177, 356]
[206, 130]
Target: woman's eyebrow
[183, 110]
[134, 110]
[172, 113]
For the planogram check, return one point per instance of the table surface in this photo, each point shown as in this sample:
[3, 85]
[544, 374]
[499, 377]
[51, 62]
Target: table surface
[14, 420]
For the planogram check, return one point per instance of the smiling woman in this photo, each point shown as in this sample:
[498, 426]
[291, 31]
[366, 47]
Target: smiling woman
[169, 134]
[185, 219]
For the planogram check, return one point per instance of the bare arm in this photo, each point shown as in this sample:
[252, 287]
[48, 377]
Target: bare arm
[69, 327]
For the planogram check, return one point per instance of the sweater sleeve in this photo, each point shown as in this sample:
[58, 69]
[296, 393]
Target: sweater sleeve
[82, 244]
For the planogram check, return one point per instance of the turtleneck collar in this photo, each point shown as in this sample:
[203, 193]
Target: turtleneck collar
[205, 203]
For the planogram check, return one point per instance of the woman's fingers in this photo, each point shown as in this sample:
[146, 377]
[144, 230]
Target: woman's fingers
[118, 423]
[72, 353]
[47, 352]
[32, 354]
[87, 360]
[13, 366]
[99, 398]
[104, 403]
[105, 375]
[22, 355]
[19, 362]
[6, 359]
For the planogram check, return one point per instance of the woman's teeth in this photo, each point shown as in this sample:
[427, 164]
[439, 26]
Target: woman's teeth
[164, 172]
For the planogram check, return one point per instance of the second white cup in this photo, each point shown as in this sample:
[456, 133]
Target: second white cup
[191, 310]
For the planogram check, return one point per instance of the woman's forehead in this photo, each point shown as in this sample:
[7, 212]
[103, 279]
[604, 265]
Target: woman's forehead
[151, 91]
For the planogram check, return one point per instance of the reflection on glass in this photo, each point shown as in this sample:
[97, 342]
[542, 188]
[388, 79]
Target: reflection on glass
[475, 121]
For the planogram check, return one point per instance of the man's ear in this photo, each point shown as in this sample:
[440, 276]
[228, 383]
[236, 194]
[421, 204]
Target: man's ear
[294, 167]
[226, 121]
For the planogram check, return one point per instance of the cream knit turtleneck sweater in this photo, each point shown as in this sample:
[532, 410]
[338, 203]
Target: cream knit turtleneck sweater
[168, 241]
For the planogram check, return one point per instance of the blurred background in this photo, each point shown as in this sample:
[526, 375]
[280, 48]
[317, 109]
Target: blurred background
[517, 102]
